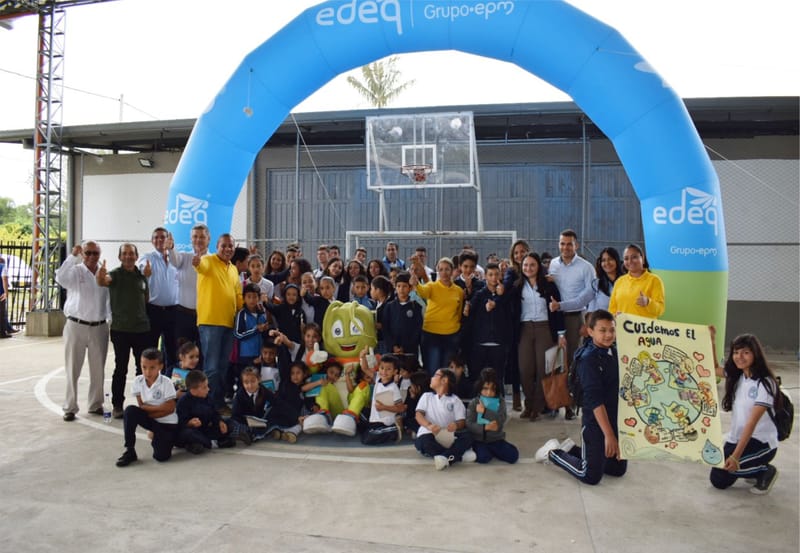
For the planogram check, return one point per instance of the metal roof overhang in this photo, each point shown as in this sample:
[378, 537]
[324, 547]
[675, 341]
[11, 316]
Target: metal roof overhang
[512, 123]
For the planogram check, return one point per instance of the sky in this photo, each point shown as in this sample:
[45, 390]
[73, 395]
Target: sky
[169, 59]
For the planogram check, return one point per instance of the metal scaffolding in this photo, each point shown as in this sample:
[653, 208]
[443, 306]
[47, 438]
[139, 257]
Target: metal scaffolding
[47, 197]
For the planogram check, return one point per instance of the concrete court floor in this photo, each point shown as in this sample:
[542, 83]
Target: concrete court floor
[61, 491]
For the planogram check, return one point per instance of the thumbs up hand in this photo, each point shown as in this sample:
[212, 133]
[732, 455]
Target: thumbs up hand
[318, 356]
[642, 300]
[554, 305]
[372, 361]
[148, 270]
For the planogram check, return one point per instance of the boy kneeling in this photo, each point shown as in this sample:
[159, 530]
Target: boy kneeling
[599, 380]
[155, 395]
[199, 422]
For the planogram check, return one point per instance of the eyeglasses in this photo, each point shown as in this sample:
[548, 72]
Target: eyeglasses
[91, 253]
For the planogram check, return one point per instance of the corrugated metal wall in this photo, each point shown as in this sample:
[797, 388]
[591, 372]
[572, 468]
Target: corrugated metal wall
[535, 200]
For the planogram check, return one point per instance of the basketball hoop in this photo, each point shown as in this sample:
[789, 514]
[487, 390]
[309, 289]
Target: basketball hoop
[417, 174]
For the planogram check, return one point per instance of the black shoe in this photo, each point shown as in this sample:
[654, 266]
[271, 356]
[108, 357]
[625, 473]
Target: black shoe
[195, 448]
[569, 414]
[226, 442]
[98, 411]
[69, 417]
[128, 457]
[765, 481]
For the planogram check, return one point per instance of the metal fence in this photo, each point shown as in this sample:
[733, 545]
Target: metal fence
[18, 269]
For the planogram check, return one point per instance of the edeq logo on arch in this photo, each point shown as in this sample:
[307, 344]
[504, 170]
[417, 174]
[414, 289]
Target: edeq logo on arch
[188, 210]
[701, 209]
[375, 11]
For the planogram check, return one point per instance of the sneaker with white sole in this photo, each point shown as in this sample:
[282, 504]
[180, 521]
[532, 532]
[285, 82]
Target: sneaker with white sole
[567, 445]
[765, 480]
[543, 452]
[441, 462]
[469, 456]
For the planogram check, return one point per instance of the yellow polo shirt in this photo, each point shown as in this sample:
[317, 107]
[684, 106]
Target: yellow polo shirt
[219, 292]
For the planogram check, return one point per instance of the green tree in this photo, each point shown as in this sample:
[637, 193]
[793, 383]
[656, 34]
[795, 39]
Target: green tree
[16, 222]
[381, 82]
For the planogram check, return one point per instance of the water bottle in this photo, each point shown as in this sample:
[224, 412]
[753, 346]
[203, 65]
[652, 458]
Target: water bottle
[107, 410]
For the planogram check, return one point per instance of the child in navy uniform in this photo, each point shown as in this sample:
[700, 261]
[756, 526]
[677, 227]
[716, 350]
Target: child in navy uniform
[248, 327]
[598, 375]
[250, 401]
[420, 384]
[198, 420]
[401, 323]
[491, 326]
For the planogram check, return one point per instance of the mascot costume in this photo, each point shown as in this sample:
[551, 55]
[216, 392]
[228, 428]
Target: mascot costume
[347, 329]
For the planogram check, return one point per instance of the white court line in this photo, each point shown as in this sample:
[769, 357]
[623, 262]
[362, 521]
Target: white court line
[27, 344]
[20, 380]
[40, 391]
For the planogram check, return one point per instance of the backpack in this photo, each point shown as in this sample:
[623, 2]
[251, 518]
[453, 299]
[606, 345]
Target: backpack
[783, 416]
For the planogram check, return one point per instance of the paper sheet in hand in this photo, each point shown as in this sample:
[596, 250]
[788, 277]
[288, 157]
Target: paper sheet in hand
[445, 437]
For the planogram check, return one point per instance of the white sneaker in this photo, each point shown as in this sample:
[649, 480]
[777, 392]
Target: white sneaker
[441, 462]
[543, 452]
[567, 445]
[469, 456]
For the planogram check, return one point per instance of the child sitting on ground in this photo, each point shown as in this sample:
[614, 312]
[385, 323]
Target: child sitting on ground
[155, 410]
[385, 416]
[438, 411]
[486, 416]
[250, 401]
[599, 381]
[200, 424]
[289, 408]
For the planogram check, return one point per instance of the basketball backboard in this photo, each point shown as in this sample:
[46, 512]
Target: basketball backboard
[431, 150]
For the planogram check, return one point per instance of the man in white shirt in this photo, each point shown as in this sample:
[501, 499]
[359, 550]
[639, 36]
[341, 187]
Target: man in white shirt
[162, 278]
[86, 330]
[186, 308]
[574, 277]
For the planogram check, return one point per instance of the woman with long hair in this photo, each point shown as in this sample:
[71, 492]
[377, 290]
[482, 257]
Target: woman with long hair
[608, 268]
[538, 331]
[751, 388]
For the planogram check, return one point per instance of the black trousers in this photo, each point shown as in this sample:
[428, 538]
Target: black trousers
[162, 325]
[124, 343]
[163, 434]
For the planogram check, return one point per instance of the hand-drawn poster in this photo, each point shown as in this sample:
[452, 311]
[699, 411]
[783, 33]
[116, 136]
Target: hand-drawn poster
[668, 406]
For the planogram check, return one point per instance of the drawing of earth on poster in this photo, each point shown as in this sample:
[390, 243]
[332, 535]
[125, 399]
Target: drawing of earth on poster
[668, 405]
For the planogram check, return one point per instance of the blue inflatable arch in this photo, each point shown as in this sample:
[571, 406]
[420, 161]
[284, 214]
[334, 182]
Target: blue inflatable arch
[643, 117]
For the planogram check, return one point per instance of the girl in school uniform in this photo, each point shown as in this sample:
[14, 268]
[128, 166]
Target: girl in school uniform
[750, 390]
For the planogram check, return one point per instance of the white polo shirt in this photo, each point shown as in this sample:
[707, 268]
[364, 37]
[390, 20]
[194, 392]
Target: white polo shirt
[440, 410]
[749, 393]
[385, 417]
[160, 392]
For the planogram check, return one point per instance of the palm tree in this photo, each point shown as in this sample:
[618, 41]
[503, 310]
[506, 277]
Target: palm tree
[381, 82]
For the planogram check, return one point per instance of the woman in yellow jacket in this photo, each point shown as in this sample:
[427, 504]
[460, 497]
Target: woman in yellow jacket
[639, 292]
[442, 321]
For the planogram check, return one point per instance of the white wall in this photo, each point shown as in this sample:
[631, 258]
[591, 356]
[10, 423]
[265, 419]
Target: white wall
[120, 208]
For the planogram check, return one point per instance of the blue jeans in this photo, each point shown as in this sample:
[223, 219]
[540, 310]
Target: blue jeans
[216, 343]
[437, 349]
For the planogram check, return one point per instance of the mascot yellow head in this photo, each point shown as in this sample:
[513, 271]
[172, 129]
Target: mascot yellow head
[348, 328]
